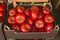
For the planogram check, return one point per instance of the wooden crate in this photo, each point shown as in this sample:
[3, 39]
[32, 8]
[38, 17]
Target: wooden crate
[27, 1]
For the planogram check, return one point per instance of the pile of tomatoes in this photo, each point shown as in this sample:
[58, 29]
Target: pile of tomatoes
[31, 19]
[2, 6]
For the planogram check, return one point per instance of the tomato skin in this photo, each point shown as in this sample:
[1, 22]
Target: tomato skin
[12, 12]
[46, 10]
[27, 12]
[30, 21]
[40, 16]
[15, 27]
[1, 7]
[49, 19]
[39, 23]
[34, 29]
[49, 27]
[35, 8]
[20, 18]
[25, 27]
[1, 14]
[11, 20]
[20, 9]
[34, 15]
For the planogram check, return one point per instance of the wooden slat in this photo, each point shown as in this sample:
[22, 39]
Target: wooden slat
[1, 1]
[27, 0]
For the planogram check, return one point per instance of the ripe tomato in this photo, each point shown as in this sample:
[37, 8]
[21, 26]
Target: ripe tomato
[46, 10]
[1, 7]
[30, 21]
[35, 8]
[49, 19]
[49, 27]
[34, 29]
[11, 20]
[27, 12]
[25, 27]
[20, 18]
[20, 9]
[39, 23]
[12, 12]
[15, 27]
[34, 15]
[41, 15]
[1, 14]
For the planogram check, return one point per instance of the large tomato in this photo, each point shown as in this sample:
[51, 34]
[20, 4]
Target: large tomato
[46, 10]
[39, 23]
[49, 27]
[15, 27]
[12, 12]
[11, 20]
[35, 8]
[34, 15]
[20, 18]
[49, 19]
[20, 9]
[25, 27]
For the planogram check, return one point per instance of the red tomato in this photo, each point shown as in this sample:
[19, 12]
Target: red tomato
[20, 18]
[49, 27]
[46, 10]
[1, 14]
[25, 27]
[20, 9]
[49, 19]
[1, 7]
[27, 12]
[30, 21]
[41, 29]
[11, 20]
[12, 12]
[39, 24]
[35, 8]
[41, 15]
[34, 15]
[15, 27]
[34, 29]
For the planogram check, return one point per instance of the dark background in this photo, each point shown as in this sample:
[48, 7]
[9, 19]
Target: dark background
[57, 16]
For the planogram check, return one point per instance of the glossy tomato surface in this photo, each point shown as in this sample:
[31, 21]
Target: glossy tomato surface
[49, 27]
[39, 23]
[25, 27]
[34, 15]
[20, 18]
[20, 9]
[15, 27]
[12, 12]
[27, 12]
[35, 8]
[46, 10]
[49, 19]
[11, 20]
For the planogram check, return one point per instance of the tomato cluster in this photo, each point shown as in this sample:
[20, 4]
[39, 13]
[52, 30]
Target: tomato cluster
[31, 19]
[2, 6]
